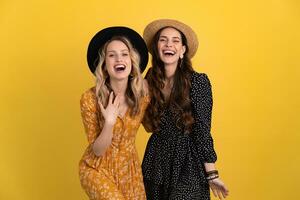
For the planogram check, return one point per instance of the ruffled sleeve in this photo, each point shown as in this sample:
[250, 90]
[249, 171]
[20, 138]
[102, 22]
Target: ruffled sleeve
[89, 114]
[201, 97]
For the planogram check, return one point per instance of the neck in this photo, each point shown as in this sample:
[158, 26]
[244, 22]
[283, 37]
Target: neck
[119, 86]
[170, 71]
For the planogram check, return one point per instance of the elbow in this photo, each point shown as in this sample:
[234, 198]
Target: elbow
[98, 154]
[97, 151]
[101, 144]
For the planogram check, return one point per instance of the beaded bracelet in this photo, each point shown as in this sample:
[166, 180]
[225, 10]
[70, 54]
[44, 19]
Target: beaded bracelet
[213, 174]
[212, 177]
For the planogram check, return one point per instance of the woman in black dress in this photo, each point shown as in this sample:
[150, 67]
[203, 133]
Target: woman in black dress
[179, 158]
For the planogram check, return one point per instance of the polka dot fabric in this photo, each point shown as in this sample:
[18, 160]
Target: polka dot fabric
[173, 164]
[116, 175]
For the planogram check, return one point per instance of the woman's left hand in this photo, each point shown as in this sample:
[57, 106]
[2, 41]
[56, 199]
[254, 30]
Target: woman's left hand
[218, 188]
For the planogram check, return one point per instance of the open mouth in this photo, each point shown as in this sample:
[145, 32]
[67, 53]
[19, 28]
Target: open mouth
[120, 68]
[168, 53]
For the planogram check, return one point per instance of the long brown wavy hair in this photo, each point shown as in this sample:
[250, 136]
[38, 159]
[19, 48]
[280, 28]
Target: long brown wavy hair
[179, 101]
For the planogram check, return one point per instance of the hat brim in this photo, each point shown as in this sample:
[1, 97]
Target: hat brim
[191, 37]
[106, 34]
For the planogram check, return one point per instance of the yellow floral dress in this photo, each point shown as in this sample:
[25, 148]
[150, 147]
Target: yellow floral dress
[117, 174]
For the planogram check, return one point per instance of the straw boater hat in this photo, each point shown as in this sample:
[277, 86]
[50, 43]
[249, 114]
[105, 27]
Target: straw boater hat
[106, 34]
[191, 37]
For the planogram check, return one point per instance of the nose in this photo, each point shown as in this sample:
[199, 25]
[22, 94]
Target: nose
[169, 43]
[118, 58]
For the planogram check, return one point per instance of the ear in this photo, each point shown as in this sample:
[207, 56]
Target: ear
[183, 49]
[182, 52]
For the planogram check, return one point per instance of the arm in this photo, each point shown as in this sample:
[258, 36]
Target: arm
[209, 167]
[203, 109]
[202, 100]
[103, 141]
[99, 135]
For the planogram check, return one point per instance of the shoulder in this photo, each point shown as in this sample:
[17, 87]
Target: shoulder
[200, 84]
[199, 79]
[88, 97]
[201, 91]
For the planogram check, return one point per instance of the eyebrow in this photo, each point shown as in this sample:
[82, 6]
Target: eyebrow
[121, 50]
[172, 37]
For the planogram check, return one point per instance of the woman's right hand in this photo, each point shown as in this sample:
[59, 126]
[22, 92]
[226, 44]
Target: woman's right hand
[218, 188]
[110, 113]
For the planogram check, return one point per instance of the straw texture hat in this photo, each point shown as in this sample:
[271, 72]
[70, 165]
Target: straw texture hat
[191, 37]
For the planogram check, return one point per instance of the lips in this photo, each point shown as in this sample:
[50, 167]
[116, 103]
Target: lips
[168, 52]
[120, 68]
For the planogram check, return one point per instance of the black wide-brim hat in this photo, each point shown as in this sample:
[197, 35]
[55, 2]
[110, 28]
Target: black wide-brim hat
[106, 34]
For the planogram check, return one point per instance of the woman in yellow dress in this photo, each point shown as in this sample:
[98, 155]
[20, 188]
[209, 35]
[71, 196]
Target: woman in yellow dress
[112, 112]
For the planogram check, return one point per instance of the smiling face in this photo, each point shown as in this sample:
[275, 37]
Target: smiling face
[117, 60]
[170, 47]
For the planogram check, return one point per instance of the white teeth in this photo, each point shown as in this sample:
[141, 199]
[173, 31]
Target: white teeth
[169, 52]
[120, 67]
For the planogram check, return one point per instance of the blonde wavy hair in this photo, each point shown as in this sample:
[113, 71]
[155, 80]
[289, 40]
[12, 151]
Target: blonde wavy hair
[134, 90]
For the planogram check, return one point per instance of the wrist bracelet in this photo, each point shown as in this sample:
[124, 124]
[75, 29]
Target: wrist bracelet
[209, 178]
[212, 172]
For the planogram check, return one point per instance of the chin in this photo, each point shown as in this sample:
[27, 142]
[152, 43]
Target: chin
[168, 62]
[121, 77]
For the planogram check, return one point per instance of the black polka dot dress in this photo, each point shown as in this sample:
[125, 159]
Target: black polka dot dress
[173, 164]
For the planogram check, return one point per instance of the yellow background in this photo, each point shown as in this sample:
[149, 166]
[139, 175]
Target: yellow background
[249, 49]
